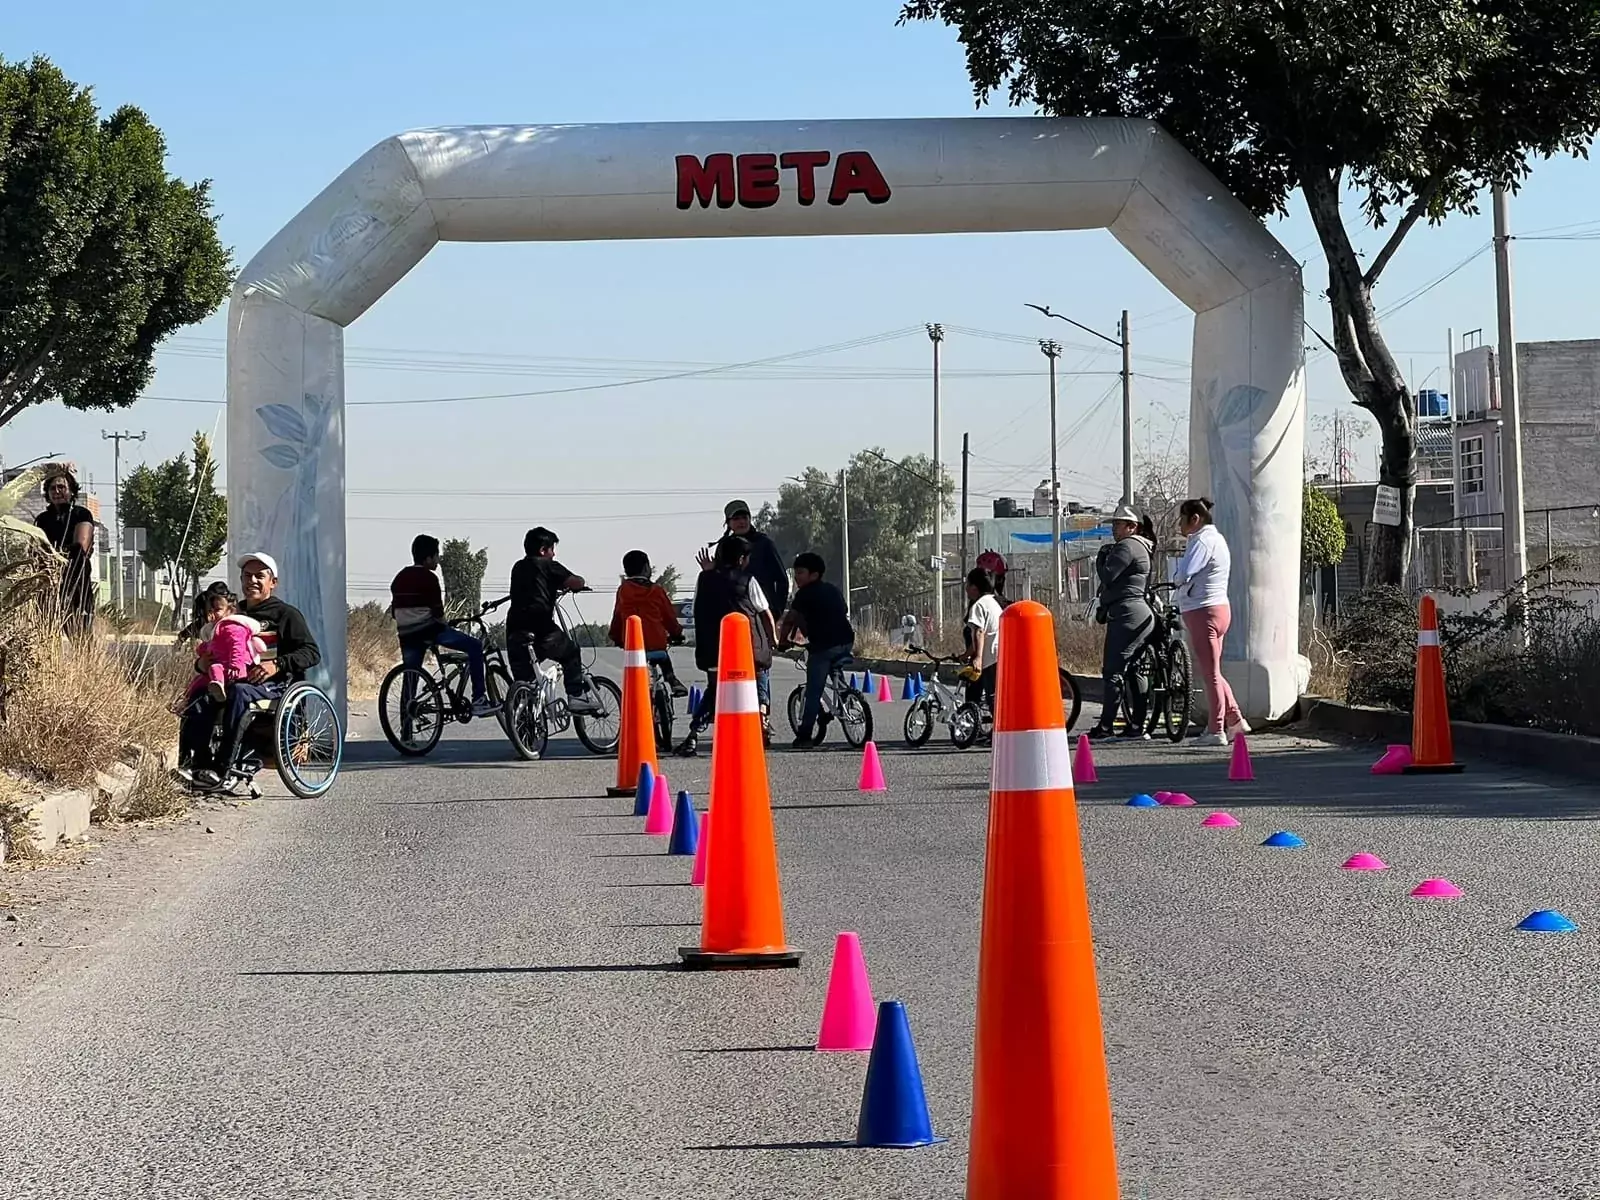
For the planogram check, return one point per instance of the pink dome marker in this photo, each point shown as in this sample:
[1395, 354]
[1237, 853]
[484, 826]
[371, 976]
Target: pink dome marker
[1436, 889]
[1177, 800]
[1365, 862]
[1220, 820]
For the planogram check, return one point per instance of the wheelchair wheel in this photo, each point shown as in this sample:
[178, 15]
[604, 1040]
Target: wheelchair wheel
[307, 743]
[525, 722]
[603, 730]
[412, 710]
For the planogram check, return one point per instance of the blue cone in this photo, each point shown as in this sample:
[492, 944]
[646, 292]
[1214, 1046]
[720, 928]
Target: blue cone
[894, 1108]
[647, 787]
[1285, 839]
[1143, 800]
[685, 827]
[908, 690]
[694, 700]
[867, 684]
[1547, 920]
[855, 684]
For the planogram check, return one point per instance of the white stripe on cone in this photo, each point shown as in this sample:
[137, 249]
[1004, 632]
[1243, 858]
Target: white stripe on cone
[1031, 760]
[738, 696]
[1427, 637]
[632, 658]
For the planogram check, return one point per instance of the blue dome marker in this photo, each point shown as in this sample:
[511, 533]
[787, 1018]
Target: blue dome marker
[1284, 839]
[1547, 920]
[1142, 800]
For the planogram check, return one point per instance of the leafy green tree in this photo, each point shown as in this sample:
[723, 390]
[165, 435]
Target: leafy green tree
[670, 579]
[184, 517]
[889, 506]
[102, 253]
[463, 569]
[1414, 107]
[1321, 530]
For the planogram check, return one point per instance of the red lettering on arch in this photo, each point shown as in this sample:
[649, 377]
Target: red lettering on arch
[804, 164]
[856, 174]
[711, 180]
[758, 180]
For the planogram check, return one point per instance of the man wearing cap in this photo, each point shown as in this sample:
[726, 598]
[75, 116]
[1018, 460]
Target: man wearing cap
[291, 653]
[767, 569]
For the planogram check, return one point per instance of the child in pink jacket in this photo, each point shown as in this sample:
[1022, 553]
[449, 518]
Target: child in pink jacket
[230, 645]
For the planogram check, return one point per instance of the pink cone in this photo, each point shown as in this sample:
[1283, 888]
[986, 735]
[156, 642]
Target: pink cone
[849, 1018]
[1220, 820]
[1083, 762]
[871, 771]
[1178, 800]
[1239, 769]
[884, 695]
[1436, 889]
[1394, 761]
[1163, 797]
[658, 820]
[1365, 862]
[698, 875]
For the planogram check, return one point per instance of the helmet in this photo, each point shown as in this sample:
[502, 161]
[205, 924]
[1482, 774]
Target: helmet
[991, 562]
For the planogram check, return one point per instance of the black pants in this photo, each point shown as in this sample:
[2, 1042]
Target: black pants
[553, 645]
[194, 733]
[1126, 633]
[983, 686]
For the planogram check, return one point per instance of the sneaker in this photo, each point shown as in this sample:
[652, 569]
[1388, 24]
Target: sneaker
[183, 775]
[485, 707]
[1238, 727]
[766, 729]
[689, 747]
[677, 689]
[1099, 734]
[584, 705]
[1211, 739]
[802, 741]
[217, 690]
[207, 780]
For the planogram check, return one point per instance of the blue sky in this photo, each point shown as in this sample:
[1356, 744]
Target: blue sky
[272, 101]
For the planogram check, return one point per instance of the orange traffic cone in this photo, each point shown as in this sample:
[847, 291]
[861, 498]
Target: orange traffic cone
[1431, 749]
[1041, 1103]
[742, 921]
[637, 743]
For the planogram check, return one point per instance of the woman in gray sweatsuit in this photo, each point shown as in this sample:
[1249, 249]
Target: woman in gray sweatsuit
[1124, 569]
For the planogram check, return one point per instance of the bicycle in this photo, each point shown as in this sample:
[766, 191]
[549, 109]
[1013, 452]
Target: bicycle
[943, 705]
[425, 702]
[1164, 660]
[663, 705]
[839, 701]
[536, 708]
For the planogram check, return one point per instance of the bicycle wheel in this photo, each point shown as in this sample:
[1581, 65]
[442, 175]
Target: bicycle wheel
[602, 730]
[1179, 696]
[499, 684]
[796, 706]
[661, 706]
[919, 723]
[1071, 702]
[525, 722]
[411, 709]
[855, 717]
[965, 724]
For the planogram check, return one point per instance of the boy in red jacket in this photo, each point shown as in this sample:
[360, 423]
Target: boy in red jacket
[640, 597]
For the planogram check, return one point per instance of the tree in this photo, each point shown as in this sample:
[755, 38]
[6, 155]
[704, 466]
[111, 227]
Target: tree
[1414, 106]
[1321, 530]
[463, 570]
[104, 254]
[889, 506]
[1161, 479]
[669, 579]
[184, 517]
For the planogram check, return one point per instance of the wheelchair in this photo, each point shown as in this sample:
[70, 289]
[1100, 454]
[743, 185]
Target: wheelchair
[298, 733]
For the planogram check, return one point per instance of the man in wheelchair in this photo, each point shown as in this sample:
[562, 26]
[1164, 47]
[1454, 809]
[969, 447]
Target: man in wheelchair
[291, 652]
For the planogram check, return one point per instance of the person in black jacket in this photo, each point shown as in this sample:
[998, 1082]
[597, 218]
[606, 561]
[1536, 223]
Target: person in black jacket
[70, 529]
[726, 586]
[291, 653]
[767, 569]
[1124, 570]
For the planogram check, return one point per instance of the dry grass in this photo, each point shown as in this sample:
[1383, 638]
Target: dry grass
[73, 709]
[370, 649]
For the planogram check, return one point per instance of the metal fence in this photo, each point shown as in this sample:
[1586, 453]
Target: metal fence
[1468, 554]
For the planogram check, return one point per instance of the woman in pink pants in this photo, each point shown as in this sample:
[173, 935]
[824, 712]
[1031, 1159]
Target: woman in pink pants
[1202, 592]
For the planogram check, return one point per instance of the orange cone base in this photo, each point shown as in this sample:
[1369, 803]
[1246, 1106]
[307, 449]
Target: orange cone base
[1436, 769]
[696, 959]
[627, 791]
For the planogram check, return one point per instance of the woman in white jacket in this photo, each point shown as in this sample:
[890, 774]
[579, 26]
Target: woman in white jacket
[1202, 593]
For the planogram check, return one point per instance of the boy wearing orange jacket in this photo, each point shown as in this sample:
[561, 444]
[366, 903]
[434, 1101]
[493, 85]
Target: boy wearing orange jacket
[640, 597]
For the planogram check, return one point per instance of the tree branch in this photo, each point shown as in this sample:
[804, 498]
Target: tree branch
[21, 376]
[1413, 214]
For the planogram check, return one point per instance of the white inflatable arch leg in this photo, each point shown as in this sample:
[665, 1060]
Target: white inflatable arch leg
[286, 319]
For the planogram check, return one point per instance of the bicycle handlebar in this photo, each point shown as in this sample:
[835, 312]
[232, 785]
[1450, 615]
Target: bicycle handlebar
[937, 660]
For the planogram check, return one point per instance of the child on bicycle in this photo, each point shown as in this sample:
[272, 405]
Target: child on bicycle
[981, 631]
[639, 596]
[417, 605]
[818, 611]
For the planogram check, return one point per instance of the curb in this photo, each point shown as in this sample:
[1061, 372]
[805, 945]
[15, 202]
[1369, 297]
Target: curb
[1564, 753]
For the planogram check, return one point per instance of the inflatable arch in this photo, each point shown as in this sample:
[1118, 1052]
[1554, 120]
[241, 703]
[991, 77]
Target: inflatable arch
[286, 318]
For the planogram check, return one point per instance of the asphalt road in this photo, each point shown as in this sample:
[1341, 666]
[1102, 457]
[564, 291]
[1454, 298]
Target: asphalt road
[453, 979]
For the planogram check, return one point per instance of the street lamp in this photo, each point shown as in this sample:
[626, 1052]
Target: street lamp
[34, 461]
[1123, 343]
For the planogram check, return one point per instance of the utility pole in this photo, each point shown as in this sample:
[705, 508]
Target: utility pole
[1052, 350]
[936, 336]
[1124, 342]
[966, 452]
[844, 535]
[1515, 535]
[119, 596]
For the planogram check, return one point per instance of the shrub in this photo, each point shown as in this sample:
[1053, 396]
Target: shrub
[370, 649]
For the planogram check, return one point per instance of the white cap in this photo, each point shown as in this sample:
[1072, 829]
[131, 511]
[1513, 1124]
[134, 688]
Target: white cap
[1123, 512]
[260, 556]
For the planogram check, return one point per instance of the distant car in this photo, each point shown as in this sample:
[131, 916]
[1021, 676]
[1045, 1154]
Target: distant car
[686, 619]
